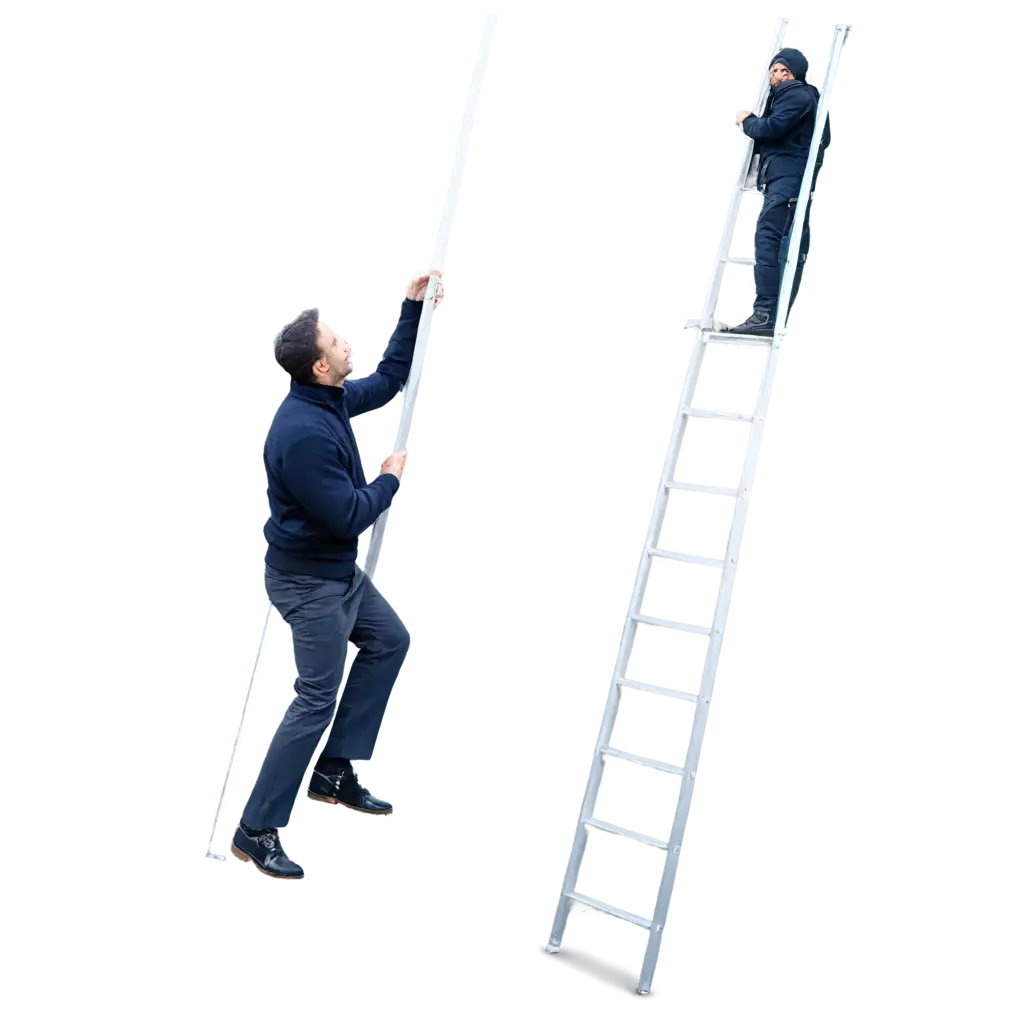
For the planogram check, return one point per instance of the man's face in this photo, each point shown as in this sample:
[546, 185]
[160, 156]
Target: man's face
[780, 73]
[335, 362]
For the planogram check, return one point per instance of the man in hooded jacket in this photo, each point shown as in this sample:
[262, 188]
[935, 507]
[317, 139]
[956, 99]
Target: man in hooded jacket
[782, 143]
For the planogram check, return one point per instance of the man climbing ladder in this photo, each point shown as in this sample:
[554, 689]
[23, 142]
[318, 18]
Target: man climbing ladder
[782, 141]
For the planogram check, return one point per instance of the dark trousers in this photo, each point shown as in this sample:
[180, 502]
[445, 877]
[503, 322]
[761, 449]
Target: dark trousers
[771, 242]
[324, 615]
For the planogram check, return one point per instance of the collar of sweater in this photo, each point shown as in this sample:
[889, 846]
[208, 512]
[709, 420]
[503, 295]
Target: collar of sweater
[319, 394]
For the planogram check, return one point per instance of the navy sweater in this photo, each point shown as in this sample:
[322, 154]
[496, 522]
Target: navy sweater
[320, 501]
[782, 135]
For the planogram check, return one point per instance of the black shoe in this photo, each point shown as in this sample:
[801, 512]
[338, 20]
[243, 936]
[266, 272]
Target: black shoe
[342, 787]
[263, 847]
[761, 321]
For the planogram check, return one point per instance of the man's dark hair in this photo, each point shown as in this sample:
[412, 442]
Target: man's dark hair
[295, 348]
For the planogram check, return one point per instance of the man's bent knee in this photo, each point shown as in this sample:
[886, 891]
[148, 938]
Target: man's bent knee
[400, 638]
[313, 701]
[394, 639]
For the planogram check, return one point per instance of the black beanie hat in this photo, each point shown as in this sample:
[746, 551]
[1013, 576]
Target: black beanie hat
[796, 60]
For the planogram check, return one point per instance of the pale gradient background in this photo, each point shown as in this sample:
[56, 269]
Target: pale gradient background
[151, 210]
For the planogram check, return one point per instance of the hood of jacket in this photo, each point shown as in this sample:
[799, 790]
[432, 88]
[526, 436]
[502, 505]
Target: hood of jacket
[797, 63]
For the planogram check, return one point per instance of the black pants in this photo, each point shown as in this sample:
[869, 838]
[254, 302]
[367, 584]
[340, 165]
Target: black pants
[771, 242]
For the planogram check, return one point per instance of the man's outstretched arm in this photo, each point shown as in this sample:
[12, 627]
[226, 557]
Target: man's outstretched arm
[392, 372]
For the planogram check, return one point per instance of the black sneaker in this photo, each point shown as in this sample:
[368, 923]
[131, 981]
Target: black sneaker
[263, 847]
[343, 788]
[761, 321]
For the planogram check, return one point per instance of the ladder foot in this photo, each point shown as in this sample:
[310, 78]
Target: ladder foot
[588, 963]
[552, 948]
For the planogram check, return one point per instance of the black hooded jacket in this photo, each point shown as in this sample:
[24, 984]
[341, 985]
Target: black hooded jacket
[782, 135]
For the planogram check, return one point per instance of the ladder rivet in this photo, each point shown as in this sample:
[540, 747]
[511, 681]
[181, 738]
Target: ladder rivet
[693, 775]
[659, 928]
[675, 849]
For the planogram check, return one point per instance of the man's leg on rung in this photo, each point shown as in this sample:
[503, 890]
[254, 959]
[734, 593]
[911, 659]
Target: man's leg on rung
[383, 642]
[771, 227]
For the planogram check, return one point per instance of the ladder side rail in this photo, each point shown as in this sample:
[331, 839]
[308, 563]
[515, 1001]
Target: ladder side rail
[840, 36]
[553, 943]
[217, 824]
[732, 556]
[412, 385]
[491, 19]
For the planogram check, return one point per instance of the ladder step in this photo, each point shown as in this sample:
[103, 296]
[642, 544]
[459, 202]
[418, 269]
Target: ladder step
[649, 620]
[678, 485]
[663, 690]
[647, 762]
[616, 830]
[624, 915]
[746, 261]
[678, 556]
[714, 414]
[718, 332]
[719, 338]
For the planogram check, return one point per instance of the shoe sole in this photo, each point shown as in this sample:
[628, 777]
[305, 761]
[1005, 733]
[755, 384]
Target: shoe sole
[245, 858]
[331, 800]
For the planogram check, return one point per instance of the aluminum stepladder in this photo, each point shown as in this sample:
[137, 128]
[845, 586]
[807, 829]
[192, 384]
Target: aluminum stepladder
[221, 818]
[707, 333]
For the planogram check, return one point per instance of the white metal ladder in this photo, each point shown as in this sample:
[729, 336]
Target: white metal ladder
[229, 795]
[707, 333]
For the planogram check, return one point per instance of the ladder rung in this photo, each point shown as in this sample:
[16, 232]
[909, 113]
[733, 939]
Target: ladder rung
[647, 762]
[746, 261]
[757, 190]
[606, 908]
[669, 624]
[678, 556]
[719, 338]
[663, 690]
[714, 414]
[678, 485]
[616, 830]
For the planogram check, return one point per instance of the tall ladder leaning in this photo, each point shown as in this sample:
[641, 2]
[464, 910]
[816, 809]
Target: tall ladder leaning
[220, 818]
[706, 334]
